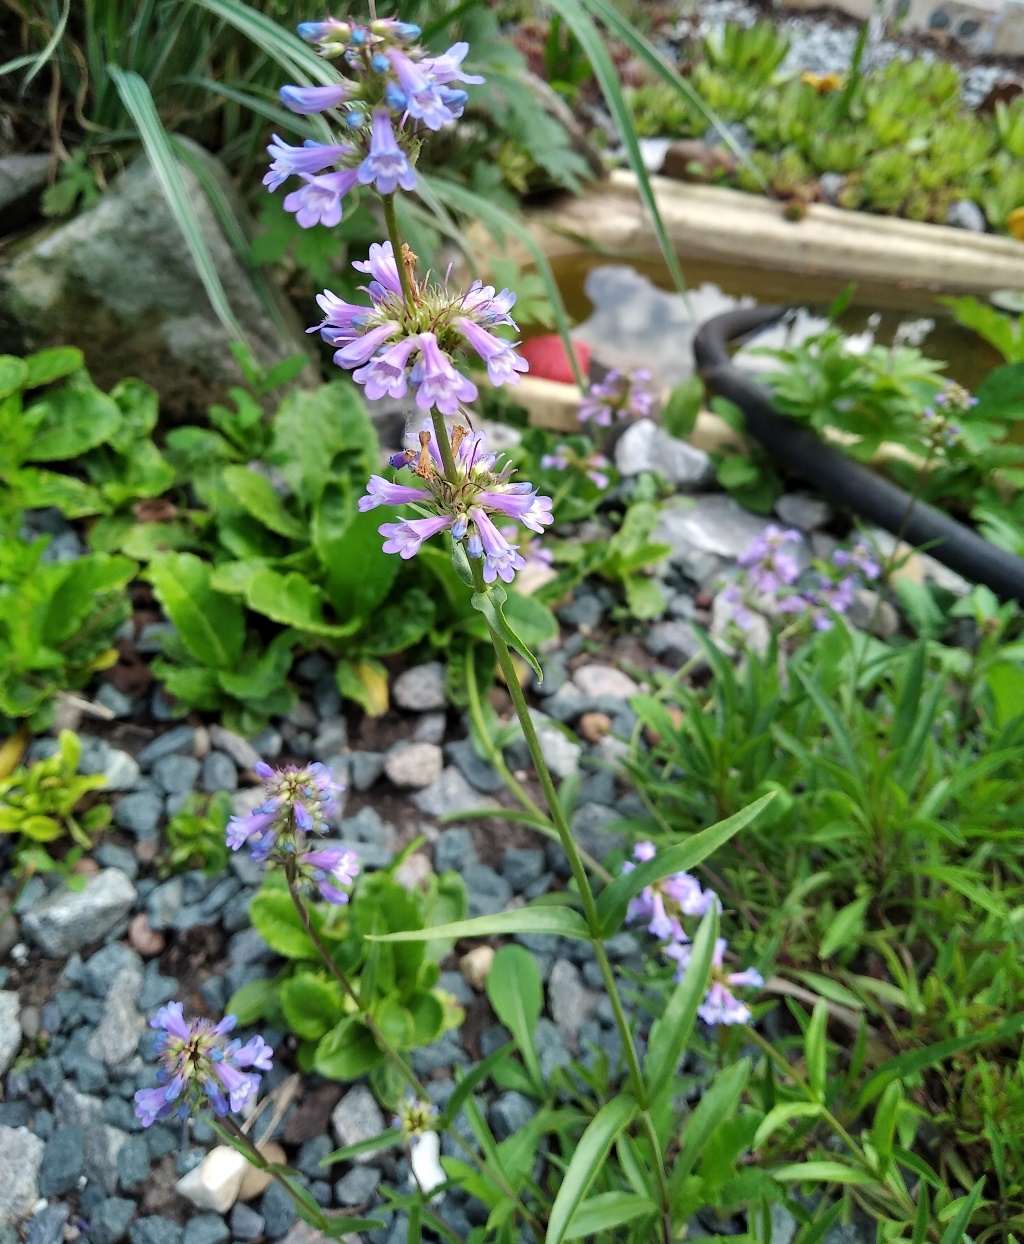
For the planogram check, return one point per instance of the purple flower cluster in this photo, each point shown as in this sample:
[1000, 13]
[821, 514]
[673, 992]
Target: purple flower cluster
[941, 432]
[199, 1065]
[665, 907]
[620, 395]
[389, 78]
[466, 506]
[772, 574]
[565, 458]
[299, 802]
[390, 346]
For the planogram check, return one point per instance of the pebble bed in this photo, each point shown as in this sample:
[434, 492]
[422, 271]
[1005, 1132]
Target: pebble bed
[84, 969]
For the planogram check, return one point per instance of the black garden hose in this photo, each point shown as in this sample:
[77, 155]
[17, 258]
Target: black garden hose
[837, 476]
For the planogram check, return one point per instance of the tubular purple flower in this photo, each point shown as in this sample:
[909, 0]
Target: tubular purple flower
[330, 30]
[501, 559]
[330, 869]
[380, 492]
[448, 66]
[490, 308]
[307, 100]
[423, 98]
[255, 1053]
[531, 510]
[721, 1007]
[438, 383]
[318, 202]
[310, 158]
[385, 375]
[381, 266]
[256, 826]
[386, 166]
[362, 349]
[503, 363]
[405, 538]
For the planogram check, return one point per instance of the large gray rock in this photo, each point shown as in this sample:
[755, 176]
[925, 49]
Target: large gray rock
[121, 1024]
[22, 178]
[118, 282]
[10, 1028]
[647, 447]
[67, 920]
[709, 524]
[21, 1155]
[357, 1117]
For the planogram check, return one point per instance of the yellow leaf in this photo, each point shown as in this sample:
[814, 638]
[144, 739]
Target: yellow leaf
[11, 751]
[1015, 223]
[374, 682]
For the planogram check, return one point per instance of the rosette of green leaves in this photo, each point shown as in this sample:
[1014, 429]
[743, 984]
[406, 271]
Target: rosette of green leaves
[398, 983]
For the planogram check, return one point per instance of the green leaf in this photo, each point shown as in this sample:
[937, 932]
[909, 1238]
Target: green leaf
[398, 626]
[490, 603]
[711, 1111]
[782, 1114]
[815, 1050]
[467, 1084]
[563, 921]
[605, 1211]
[824, 1172]
[614, 898]
[682, 407]
[845, 928]
[311, 1004]
[50, 365]
[532, 621]
[14, 373]
[358, 574]
[587, 1161]
[644, 597]
[347, 1051]
[312, 428]
[210, 624]
[293, 601]
[366, 682]
[671, 1031]
[255, 1000]
[516, 994]
[256, 495]
[75, 418]
[383, 1140]
[273, 915]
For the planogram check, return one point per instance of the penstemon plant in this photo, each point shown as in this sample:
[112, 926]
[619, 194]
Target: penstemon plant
[416, 336]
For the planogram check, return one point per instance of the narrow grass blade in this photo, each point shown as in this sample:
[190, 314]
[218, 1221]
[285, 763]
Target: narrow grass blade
[582, 25]
[287, 49]
[138, 101]
[47, 52]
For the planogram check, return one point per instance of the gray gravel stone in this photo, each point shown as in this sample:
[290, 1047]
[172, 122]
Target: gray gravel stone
[487, 891]
[116, 701]
[218, 772]
[133, 1163]
[365, 768]
[585, 610]
[110, 855]
[10, 1029]
[109, 1221]
[164, 903]
[69, 919]
[47, 1226]
[599, 680]
[431, 728]
[102, 1142]
[156, 989]
[551, 1049]
[63, 1159]
[645, 446]
[307, 1161]
[454, 850]
[121, 1024]
[246, 1224]
[121, 770]
[155, 1230]
[421, 688]
[674, 641]
[803, 511]
[139, 813]
[206, 1229]
[331, 738]
[441, 1056]
[412, 766]
[451, 793]
[240, 750]
[510, 1113]
[176, 774]
[358, 1186]
[570, 1004]
[101, 969]
[278, 1210]
[480, 774]
[560, 752]
[179, 740]
[21, 1156]
[712, 523]
[589, 827]
[268, 743]
[357, 1117]
[520, 866]
[831, 185]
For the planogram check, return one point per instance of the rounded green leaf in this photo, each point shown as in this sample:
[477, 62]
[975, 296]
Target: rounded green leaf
[347, 1051]
[311, 1004]
[13, 375]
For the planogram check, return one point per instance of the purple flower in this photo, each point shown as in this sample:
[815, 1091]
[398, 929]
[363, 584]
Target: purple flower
[619, 395]
[318, 202]
[257, 829]
[328, 31]
[380, 492]
[436, 380]
[503, 364]
[363, 348]
[530, 509]
[721, 1007]
[501, 559]
[309, 99]
[386, 166]
[310, 158]
[861, 556]
[485, 305]
[405, 538]
[330, 869]
[385, 375]
[299, 799]
[197, 1066]
[382, 268]
[423, 98]
[448, 66]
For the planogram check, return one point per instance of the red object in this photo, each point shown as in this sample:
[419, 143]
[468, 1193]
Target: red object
[549, 359]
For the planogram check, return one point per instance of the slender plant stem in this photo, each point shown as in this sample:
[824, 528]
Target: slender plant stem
[660, 1178]
[391, 221]
[444, 445]
[258, 1160]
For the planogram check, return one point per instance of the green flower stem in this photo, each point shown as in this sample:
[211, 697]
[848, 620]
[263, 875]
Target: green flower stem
[407, 1072]
[391, 221]
[259, 1160]
[444, 445]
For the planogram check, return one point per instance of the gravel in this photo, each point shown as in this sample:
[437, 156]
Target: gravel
[421, 688]
[364, 768]
[109, 1221]
[357, 1187]
[246, 1224]
[570, 1003]
[521, 866]
[139, 813]
[278, 1210]
[63, 1159]
[412, 766]
[480, 774]
[121, 1024]
[645, 446]
[454, 850]
[176, 774]
[357, 1117]
[218, 772]
[177, 741]
[510, 1113]
[10, 1029]
[67, 920]
[21, 1156]
[155, 1230]
[451, 793]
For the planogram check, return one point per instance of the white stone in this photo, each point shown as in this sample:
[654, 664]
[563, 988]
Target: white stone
[214, 1184]
[645, 446]
[10, 1028]
[425, 1160]
[67, 920]
[421, 688]
[597, 680]
[21, 1155]
[560, 752]
[412, 766]
[357, 1117]
[476, 965]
